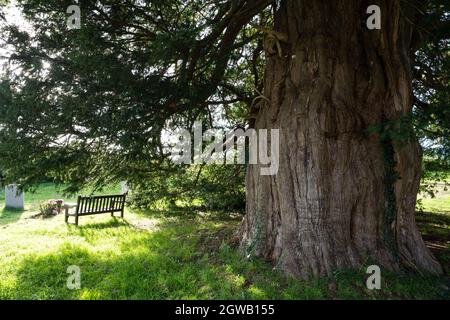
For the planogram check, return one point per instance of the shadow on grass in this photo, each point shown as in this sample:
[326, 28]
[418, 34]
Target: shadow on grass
[189, 212]
[91, 231]
[113, 223]
[439, 219]
[168, 263]
[8, 215]
[174, 262]
[435, 230]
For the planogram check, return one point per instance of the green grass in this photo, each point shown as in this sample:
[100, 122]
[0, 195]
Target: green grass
[433, 219]
[48, 191]
[45, 192]
[440, 204]
[162, 255]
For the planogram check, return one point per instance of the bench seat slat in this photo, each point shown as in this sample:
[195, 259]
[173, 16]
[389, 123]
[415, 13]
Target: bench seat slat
[92, 213]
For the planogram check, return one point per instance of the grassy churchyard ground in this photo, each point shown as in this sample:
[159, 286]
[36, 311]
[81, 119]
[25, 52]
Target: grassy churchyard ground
[180, 254]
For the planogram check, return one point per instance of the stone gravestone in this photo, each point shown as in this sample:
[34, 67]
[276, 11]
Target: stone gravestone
[124, 188]
[14, 198]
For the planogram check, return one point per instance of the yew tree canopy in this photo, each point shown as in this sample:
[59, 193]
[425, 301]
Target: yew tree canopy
[89, 105]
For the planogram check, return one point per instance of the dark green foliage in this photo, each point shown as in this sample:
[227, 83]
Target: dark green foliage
[87, 107]
[217, 187]
[431, 71]
[399, 130]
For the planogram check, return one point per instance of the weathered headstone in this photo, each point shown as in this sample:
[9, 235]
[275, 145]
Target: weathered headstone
[14, 198]
[124, 187]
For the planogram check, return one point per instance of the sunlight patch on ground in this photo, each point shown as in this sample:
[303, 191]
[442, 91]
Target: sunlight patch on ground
[163, 255]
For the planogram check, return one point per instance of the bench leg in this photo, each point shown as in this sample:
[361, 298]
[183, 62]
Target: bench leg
[121, 213]
[76, 219]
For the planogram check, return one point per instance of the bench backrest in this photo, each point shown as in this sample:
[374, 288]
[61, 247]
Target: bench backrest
[100, 204]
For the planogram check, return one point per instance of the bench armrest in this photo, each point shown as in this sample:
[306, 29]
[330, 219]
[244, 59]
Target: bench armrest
[70, 205]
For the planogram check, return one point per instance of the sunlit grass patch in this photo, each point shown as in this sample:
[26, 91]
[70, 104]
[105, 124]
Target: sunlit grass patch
[167, 255]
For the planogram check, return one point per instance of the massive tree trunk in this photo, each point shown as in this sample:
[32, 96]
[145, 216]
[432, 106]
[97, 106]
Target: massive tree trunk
[343, 196]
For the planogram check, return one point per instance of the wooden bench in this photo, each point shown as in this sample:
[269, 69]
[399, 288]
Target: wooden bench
[95, 205]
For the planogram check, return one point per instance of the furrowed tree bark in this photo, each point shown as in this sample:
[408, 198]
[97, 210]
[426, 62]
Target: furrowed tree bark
[342, 197]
